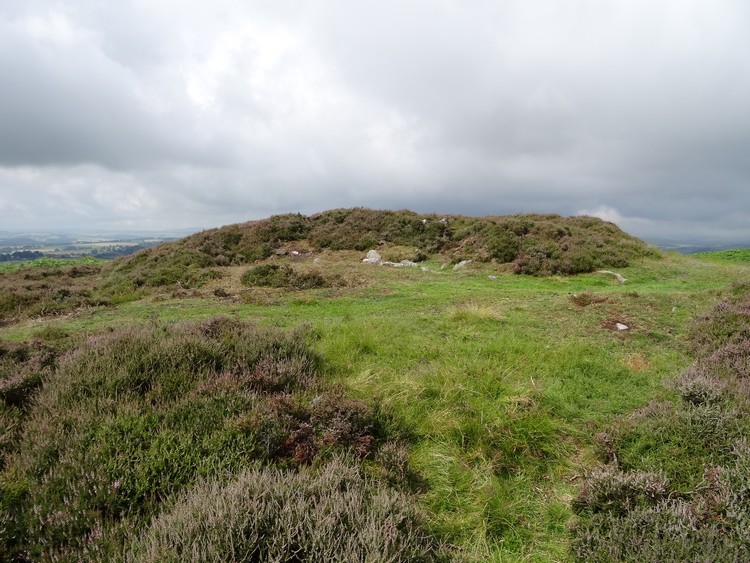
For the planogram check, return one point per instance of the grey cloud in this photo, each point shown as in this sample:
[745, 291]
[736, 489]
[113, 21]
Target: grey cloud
[205, 114]
[71, 105]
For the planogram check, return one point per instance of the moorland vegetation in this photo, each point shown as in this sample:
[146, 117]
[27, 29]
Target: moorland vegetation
[256, 392]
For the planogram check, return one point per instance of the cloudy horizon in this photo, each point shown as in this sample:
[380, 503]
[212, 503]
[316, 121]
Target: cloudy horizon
[164, 115]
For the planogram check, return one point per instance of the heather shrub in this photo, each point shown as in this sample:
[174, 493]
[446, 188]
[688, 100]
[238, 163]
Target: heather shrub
[709, 523]
[728, 323]
[327, 513]
[268, 275]
[677, 440]
[22, 368]
[609, 490]
[272, 275]
[132, 417]
[171, 263]
[697, 387]
[37, 291]
[666, 532]
[361, 229]
[729, 362]
[703, 512]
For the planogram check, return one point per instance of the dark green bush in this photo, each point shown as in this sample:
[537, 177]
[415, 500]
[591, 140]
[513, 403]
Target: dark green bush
[267, 275]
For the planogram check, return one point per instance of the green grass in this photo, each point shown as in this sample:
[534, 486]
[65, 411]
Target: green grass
[674, 486]
[734, 255]
[497, 386]
[46, 263]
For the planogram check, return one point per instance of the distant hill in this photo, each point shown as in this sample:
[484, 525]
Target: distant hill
[16, 247]
[529, 244]
[686, 245]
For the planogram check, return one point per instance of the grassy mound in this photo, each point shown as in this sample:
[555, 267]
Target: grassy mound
[96, 441]
[532, 244]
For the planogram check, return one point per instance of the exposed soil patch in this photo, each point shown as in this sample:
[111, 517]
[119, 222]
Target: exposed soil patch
[587, 298]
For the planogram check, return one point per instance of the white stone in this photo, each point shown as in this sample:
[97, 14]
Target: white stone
[373, 257]
[619, 277]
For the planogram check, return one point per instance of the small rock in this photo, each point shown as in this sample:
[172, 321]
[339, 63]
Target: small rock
[462, 264]
[425, 269]
[674, 309]
[295, 253]
[280, 251]
[373, 257]
[619, 277]
[621, 326]
[492, 277]
[317, 261]
[409, 263]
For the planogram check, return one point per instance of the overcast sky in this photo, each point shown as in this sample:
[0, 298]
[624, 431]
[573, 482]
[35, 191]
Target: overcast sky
[160, 114]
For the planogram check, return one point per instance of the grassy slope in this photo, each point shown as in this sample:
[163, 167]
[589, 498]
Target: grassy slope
[504, 382]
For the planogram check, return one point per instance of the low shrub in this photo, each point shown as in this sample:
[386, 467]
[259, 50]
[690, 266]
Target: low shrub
[22, 368]
[609, 490]
[272, 275]
[651, 522]
[38, 291]
[133, 417]
[327, 513]
[702, 512]
[677, 439]
[728, 323]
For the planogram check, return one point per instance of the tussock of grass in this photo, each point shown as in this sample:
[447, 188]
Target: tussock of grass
[477, 311]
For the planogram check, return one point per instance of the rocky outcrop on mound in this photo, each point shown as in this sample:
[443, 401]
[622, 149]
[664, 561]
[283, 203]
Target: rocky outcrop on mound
[373, 257]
